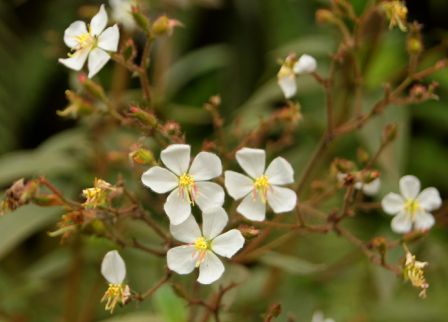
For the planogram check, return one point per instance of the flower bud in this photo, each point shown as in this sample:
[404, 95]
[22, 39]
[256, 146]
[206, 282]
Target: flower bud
[129, 51]
[141, 156]
[94, 89]
[141, 20]
[343, 165]
[78, 106]
[325, 16]
[249, 232]
[362, 155]
[144, 117]
[164, 26]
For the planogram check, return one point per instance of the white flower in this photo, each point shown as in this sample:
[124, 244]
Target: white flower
[306, 64]
[189, 185]
[369, 189]
[412, 207]
[114, 271]
[122, 13]
[92, 44]
[261, 186]
[319, 317]
[202, 246]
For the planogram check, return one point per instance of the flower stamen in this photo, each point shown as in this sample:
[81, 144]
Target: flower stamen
[187, 188]
[201, 245]
[115, 293]
[261, 186]
[412, 207]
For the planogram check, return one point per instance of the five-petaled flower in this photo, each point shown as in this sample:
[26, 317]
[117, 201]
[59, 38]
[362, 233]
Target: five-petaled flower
[188, 184]
[262, 186]
[92, 44]
[292, 67]
[113, 269]
[412, 207]
[201, 247]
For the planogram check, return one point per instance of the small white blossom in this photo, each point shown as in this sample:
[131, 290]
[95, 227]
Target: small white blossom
[201, 247]
[113, 269]
[319, 317]
[369, 189]
[261, 186]
[188, 184]
[122, 13]
[412, 207]
[292, 67]
[92, 44]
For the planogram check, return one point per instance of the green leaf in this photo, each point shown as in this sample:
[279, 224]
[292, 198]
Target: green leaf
[170, 307]
[290, 264]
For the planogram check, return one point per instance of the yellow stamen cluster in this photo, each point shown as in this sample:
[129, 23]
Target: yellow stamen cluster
[261, 186]
[97, 195]
[396, 12]
[413, 271]
[116, 293]
[412, 206]
[85, 40]
[187, 188]
[201, 245]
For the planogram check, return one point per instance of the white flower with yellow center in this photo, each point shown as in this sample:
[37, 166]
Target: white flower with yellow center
[261, 186]
[93, 43]
[412, 207]
[188, 184]
[292, 67]
[201, 247]
[122, 12]
[113, 269]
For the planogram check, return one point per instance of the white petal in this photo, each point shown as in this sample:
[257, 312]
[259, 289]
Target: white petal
[401, 223]
[113, 267]
[372, 188]
[253, 209]
[187, 231]
[305, 65]
[209, 195]
[108, 40]
[409, 187]
[211, 269]
[176, 157]
[280, 172]
[252, 161]
[288, 85]
[159, 179]
[205, 166]
[177, 208]
[77, 59]
[237, 184]
[181, 259]
[281, 199]
[429, 199]
[392, 203]
[424, 220]
[97, 59]
[213, 222]
[228, 243]
[73, 31]
[99, 21]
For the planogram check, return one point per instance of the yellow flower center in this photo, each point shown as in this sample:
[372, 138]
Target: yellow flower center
[187, 188]
[115, 293]
[94, 197]
[261, 186]
[201, 245]
[85, 40]
[412, 206]
[397, 13]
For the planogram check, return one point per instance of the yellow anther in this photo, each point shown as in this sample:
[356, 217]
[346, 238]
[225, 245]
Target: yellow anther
[413, 271]
[115, 293]
[412, 206]
[201, 244]
[261, 186]
[85, 40]
[187, 187]
[397, 13]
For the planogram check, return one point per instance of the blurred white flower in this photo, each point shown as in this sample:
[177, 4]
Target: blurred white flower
[92, 44]
[369, 189]
[261, 186]
[114, 271]
[202, 246]
[319, 317]
[412, 207]
[292, 67]
[122, 13]
[188, 184]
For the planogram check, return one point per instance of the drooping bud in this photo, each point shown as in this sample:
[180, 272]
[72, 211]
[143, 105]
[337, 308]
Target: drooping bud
[78, 106]
[141, 156]
[146, 118]
[93, 88]
[140, 19]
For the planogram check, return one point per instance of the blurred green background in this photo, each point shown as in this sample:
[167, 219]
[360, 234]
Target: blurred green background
[230, 48]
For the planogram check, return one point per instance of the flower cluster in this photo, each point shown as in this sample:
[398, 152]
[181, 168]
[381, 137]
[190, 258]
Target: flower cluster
[413, 272]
